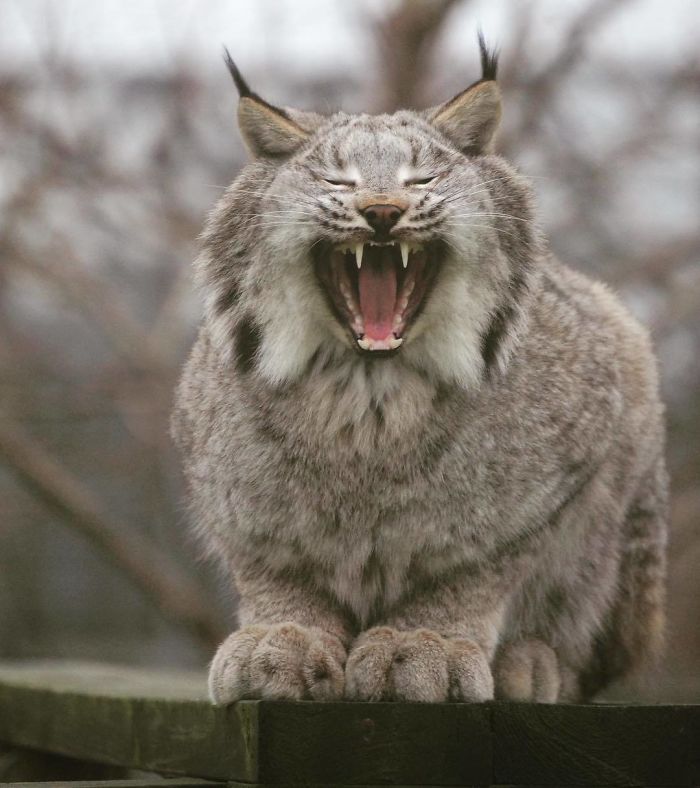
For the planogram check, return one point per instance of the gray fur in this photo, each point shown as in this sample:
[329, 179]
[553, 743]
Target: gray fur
[487, 504]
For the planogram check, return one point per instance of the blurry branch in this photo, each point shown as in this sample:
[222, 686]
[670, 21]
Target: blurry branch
[132, 384]
[405, 38]
[74, 187]
[523, 20]
[173, 593]
[94, 298]
[659, 264]
[166, 330]
[543, 87]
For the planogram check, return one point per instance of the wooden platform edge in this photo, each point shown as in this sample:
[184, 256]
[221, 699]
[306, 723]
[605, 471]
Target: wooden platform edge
[127, 717]
[148, 720]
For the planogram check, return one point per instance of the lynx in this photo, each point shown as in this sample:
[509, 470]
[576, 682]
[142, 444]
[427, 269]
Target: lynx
[428, 453]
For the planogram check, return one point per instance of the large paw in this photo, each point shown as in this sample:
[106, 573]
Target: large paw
[527, 670]
[420, 665]
[280, 661]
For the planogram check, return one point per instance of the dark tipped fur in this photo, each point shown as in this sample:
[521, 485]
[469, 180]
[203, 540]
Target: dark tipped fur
[247, 342]
[228, 298]
[501, 322]
[243, 88]
[489, 59]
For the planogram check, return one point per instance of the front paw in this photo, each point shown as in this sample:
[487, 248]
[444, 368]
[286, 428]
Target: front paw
[419, 665]
[278, 662]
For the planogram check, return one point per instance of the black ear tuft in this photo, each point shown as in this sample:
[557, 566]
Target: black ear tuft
[489, 59]
[241, 85]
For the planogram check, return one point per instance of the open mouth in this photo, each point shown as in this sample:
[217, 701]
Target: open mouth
[377, 290]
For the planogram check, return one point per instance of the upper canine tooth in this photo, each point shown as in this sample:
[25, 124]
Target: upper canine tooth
[359, 249]
[405, 251]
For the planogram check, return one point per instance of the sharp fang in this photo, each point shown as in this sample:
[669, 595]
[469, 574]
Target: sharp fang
[405, 251]
[363, 343]
[359, 249]
[394, 342]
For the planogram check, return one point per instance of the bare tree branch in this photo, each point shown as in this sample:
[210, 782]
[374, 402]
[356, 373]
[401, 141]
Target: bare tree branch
[543, 86]
[172, 592]
[404, 41]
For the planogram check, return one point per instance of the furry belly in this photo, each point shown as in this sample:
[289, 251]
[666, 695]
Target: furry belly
[370, 569]
[372, 583]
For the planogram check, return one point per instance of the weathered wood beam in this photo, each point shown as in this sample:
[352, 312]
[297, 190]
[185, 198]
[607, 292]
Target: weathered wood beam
[162, 722]
[177, 782]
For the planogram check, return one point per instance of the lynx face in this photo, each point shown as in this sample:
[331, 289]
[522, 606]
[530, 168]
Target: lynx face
[391, 236]
[381, 205]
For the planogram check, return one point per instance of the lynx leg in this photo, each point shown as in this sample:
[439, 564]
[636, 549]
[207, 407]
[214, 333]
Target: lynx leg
[527, 671]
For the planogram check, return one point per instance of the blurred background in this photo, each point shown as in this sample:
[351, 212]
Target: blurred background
[117, 133]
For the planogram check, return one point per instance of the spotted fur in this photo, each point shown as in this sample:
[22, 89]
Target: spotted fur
[487, 503]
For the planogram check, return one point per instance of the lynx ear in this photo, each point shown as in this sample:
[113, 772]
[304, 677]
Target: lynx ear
[268, 131]
[471, 118]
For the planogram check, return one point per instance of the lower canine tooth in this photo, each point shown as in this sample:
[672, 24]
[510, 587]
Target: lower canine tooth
[359, 249]
[405, 250]
[394, 342]
[363, 343]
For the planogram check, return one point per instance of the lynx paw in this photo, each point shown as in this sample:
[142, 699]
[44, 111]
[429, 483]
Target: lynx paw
[420, 665]
[280, 661]
[527, 671]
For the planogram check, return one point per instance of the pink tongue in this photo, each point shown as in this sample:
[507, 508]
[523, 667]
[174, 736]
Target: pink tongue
[377, 285]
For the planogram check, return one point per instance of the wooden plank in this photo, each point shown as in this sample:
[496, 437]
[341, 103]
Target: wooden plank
[162, 722]
[592, 745]
[694, 736]
[234, 784]
[151, 720]
[387, 743]
[177, 782]
[19, 764]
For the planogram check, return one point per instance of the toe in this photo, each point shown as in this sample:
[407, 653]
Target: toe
[369, 664]
[276, 663]
[229, 674]
[470, 676]
[419, 669]
[323, 674]
[527, 671]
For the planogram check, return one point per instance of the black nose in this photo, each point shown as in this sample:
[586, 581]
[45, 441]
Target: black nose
[381, 218]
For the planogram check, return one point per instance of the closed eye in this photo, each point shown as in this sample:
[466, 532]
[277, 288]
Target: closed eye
[421, 181]
[346, 183]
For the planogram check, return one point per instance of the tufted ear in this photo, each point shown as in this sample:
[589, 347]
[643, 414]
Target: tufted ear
[269, 131]
[471, 118]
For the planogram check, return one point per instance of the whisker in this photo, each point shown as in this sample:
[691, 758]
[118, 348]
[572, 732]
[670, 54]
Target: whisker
[472, 189]
[486, 215]
[498, 230]
[295, 198]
